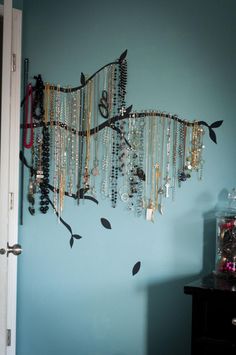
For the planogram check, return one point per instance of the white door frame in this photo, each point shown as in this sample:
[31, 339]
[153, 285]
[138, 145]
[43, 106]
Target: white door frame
[9, 171]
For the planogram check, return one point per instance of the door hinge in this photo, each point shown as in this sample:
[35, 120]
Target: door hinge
[8, 337]
[11, 200]
[13, 62]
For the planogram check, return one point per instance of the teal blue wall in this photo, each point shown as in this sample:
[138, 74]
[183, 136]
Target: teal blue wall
[17, 4]
[84, 301]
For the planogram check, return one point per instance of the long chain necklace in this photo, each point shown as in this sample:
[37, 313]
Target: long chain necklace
[140, 166]
[77, 140]
[88, 127]
[150, 171]
[161, 190]
[168, 144]
[57, 151]
[174, 158]
[62, 156]
[95, 169]
[81, 142]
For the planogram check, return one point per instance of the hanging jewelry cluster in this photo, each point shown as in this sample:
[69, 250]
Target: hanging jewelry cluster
[84, 141]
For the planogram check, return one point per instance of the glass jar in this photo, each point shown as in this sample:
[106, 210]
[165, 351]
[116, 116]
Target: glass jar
[225, 263]
[226, 243]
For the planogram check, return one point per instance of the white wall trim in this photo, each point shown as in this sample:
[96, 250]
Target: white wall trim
[14, 177]
[9, 170]
[4, 164]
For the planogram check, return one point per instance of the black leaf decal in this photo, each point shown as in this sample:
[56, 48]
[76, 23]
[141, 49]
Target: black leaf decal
[128, 110]
[31, 211]
[136, 268]
[212, 135]
[141, 174]
[71, 241]
[76, 236]
[82, 79]
[123, 56]
[105, 223]
[216, 124]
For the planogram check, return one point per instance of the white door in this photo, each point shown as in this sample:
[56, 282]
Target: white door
[9, 173]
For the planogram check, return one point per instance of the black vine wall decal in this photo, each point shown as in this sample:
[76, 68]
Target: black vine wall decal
[68, 227]
[149, 152]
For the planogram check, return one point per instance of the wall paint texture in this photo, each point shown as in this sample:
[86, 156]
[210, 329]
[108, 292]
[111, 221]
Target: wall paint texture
[85, 301]
[17, 4]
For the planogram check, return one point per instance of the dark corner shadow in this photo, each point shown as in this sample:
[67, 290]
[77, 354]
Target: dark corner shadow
[169, 310]
[169, 317]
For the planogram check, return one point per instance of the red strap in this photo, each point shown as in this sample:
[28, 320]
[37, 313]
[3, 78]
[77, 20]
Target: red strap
[27, 118]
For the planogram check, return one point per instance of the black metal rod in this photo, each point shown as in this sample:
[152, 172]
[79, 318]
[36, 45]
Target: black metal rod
[110, 121]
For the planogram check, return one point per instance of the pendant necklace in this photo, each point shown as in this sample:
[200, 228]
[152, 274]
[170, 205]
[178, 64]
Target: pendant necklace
[161, 189]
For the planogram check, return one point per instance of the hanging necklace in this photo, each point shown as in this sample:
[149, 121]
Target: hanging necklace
[70, 140]
[88, 126]
[56, 151]
[181, 151]
[77, 140]
[174, 158]
[62, 154]
[151, 169]
[95, 169]
[168, 142]
[157, 162]
[140, 167]
[28, 118]
[161, 189]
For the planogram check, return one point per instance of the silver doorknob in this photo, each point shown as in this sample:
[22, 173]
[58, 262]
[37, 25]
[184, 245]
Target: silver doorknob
[14, 249]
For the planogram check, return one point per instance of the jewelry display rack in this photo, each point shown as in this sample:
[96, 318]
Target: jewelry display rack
[85, 139]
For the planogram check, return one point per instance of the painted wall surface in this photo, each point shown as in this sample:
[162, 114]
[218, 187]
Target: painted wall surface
[17, 4]
[85, 301]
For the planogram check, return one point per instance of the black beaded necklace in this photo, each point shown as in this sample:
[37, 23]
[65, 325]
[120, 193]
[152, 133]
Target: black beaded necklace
[45, 167]
[38, 116]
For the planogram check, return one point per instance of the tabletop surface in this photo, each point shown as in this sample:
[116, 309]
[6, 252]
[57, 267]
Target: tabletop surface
[210, 284]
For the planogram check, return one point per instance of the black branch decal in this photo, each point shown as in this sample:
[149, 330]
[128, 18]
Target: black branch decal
[128, 114]
[75, 196]
[68, 227]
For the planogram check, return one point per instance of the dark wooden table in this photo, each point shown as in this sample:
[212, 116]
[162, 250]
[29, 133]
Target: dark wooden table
[213, 315]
